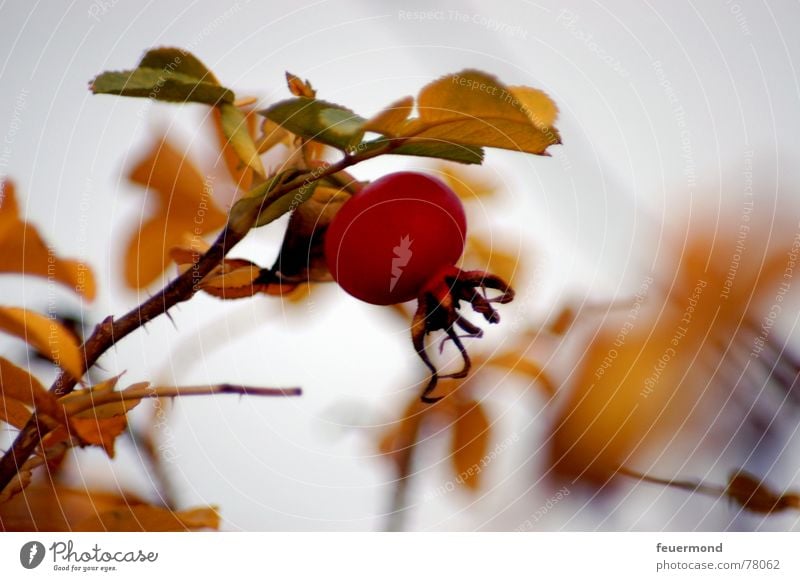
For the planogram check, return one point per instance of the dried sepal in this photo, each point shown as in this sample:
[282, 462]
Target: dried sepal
[438, 309]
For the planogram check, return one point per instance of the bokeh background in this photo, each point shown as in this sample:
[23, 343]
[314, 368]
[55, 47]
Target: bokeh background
[678, 119]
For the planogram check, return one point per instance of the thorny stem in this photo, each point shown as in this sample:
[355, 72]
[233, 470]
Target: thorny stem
[111, 330]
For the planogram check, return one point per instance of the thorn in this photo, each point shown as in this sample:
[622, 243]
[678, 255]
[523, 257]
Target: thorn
[171, 320]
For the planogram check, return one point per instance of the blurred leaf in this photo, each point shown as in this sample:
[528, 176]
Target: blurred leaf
[19, 391]
[25, 252]
[467, 184]
[22, 479]
[147, 518]
[518, 363]
[753, 495]
[45, 507]
[470, 445]
[492, 259]
[327, 123]
[184, 208]
[239, 131]
[273, 134]
[44, 334]
[99, 424]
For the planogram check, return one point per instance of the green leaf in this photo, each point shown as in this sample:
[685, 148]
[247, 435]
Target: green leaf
[179, 61]
[442, 150]
[260, 207]
[234, 126]
[318, 120]
[161, 85]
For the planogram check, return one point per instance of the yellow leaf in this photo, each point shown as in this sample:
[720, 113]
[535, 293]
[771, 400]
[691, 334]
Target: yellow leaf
[25, 252]
[45, 335]
[474, 108]
[470, 443]
[150, 519]
[468, 185]
[184, 207]
[392, 120]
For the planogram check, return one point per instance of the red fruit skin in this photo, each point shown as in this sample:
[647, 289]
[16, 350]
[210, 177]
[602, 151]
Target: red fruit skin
[393, 236]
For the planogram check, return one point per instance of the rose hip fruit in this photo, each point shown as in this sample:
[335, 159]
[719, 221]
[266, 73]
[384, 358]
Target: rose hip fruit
[399, 238]
[394, 236]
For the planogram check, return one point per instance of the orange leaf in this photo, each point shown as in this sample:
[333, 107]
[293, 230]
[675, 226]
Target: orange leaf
[299, 87]
[470, 442]
[46, 508]
[25, 252]
[99, 425]
[468, 184]
[184, 207]
[19, 390]
[46, 335]
[517, 363]
[491, 259]
[150, 519]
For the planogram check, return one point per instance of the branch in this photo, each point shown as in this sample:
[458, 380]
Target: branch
[145, 391]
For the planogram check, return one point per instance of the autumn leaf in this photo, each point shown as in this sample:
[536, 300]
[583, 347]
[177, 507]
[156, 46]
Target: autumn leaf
[184, 207]
[392, 120]
[45, 335]
[470, 442]
[467, 184]
[755, 496]
[147, 518]
[492, 259]
[44, 507]
[20, 392]
[95, 423]
[517, 363]
[474, 108]
[25, 252]
[470, 110]
[22, 479]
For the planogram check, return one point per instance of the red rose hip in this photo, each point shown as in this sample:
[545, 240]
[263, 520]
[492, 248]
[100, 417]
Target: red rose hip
[399, 238]
[393, 236]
